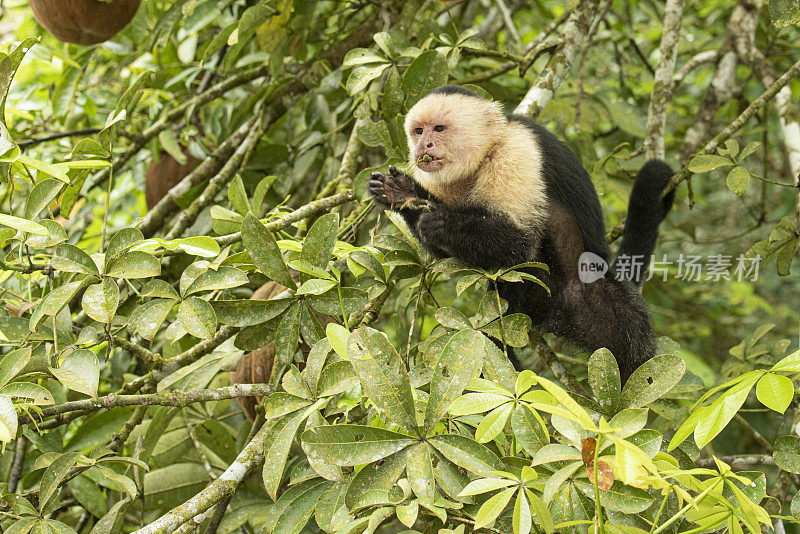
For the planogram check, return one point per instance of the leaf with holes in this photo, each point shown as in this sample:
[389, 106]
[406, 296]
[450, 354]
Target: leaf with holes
[349, 445]
[652, 380]
[383, 375]
[460, 361]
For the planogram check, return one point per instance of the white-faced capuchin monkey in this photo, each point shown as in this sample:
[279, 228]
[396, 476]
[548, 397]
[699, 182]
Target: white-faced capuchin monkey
[496, 190]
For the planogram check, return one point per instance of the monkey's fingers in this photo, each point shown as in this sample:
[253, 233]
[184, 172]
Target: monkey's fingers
[394, 171]
[377, 176]
[375, 189]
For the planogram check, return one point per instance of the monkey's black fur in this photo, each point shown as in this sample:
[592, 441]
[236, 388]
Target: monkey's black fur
[607, 313]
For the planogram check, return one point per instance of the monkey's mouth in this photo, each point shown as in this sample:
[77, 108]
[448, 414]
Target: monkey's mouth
[429, 163]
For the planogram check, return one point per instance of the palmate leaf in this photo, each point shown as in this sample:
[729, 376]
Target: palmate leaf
[419, 471]
[294, 508]
[264, 251]
[460, 361]
[383, 375]
[277, 444]
[372, 484]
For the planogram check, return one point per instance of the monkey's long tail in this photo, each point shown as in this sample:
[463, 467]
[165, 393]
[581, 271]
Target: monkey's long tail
[646, 210]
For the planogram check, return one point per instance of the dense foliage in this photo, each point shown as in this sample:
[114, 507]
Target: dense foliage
[385, 406]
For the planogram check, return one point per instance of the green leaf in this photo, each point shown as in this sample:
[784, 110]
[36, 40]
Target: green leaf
[100, 301]
[541, 511]
[243, 313]
[717, 416]
[708, 162]
[134, 264]
[564, 399]
[787, 453]
[514, 328]
[41, 196]
[383, 375]
[264, 251]
[460, 361]
[238, 196]
[466, 453]
[23, 225]
[53, 303]
[338, 377]
[80, 371]
[522, 521]
[315, 286]
[337, 336]
[361, 76]
[784, 13]
[54, 475]
[320, 240]
[738, 180]
[604, 379]
[371, 485]
[147, 319]
[555, 481]
[775, 391]
[555, 452]
[349, 445]
[529, 429]
[122, 240]
[408, 513]
[419, 472]
[27, 392]
[622, 498]
[472, 403]
[629, 422]
[72, 259]
[276, 449]
[198, 317]
[57, 170]
[494, 423]
[12, 363]
[225, 277]
[485, 485]
[652, 380]
[362, 56]
[392, 99]
[427, 72]
[790, 363]
[8, 420]
[287, 337]
[493, 507]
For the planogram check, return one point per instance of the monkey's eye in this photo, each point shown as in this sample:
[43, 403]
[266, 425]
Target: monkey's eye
[418, 131]
[439, 128]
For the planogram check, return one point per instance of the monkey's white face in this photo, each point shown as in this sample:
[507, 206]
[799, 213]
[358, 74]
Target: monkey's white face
[430, 139]
[449, 136]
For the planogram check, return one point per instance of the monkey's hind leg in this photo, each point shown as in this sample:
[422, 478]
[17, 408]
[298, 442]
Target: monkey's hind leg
[606, 313]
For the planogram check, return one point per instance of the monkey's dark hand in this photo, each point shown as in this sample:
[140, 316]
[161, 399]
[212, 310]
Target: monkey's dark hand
[395, 190]
[433, 228]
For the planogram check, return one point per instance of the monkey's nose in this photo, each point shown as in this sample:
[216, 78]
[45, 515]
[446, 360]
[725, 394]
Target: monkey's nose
[429, 145]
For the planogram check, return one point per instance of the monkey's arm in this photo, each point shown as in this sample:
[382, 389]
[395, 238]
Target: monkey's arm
[476, 236]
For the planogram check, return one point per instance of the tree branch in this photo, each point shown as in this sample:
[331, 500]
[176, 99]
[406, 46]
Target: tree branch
[662, 87]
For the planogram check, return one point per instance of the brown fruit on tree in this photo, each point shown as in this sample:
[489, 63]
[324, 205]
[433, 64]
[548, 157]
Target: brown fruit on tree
[83, 22]
[164, 174]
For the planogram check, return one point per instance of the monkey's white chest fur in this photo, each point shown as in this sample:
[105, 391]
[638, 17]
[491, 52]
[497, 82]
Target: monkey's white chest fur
[506, 177]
